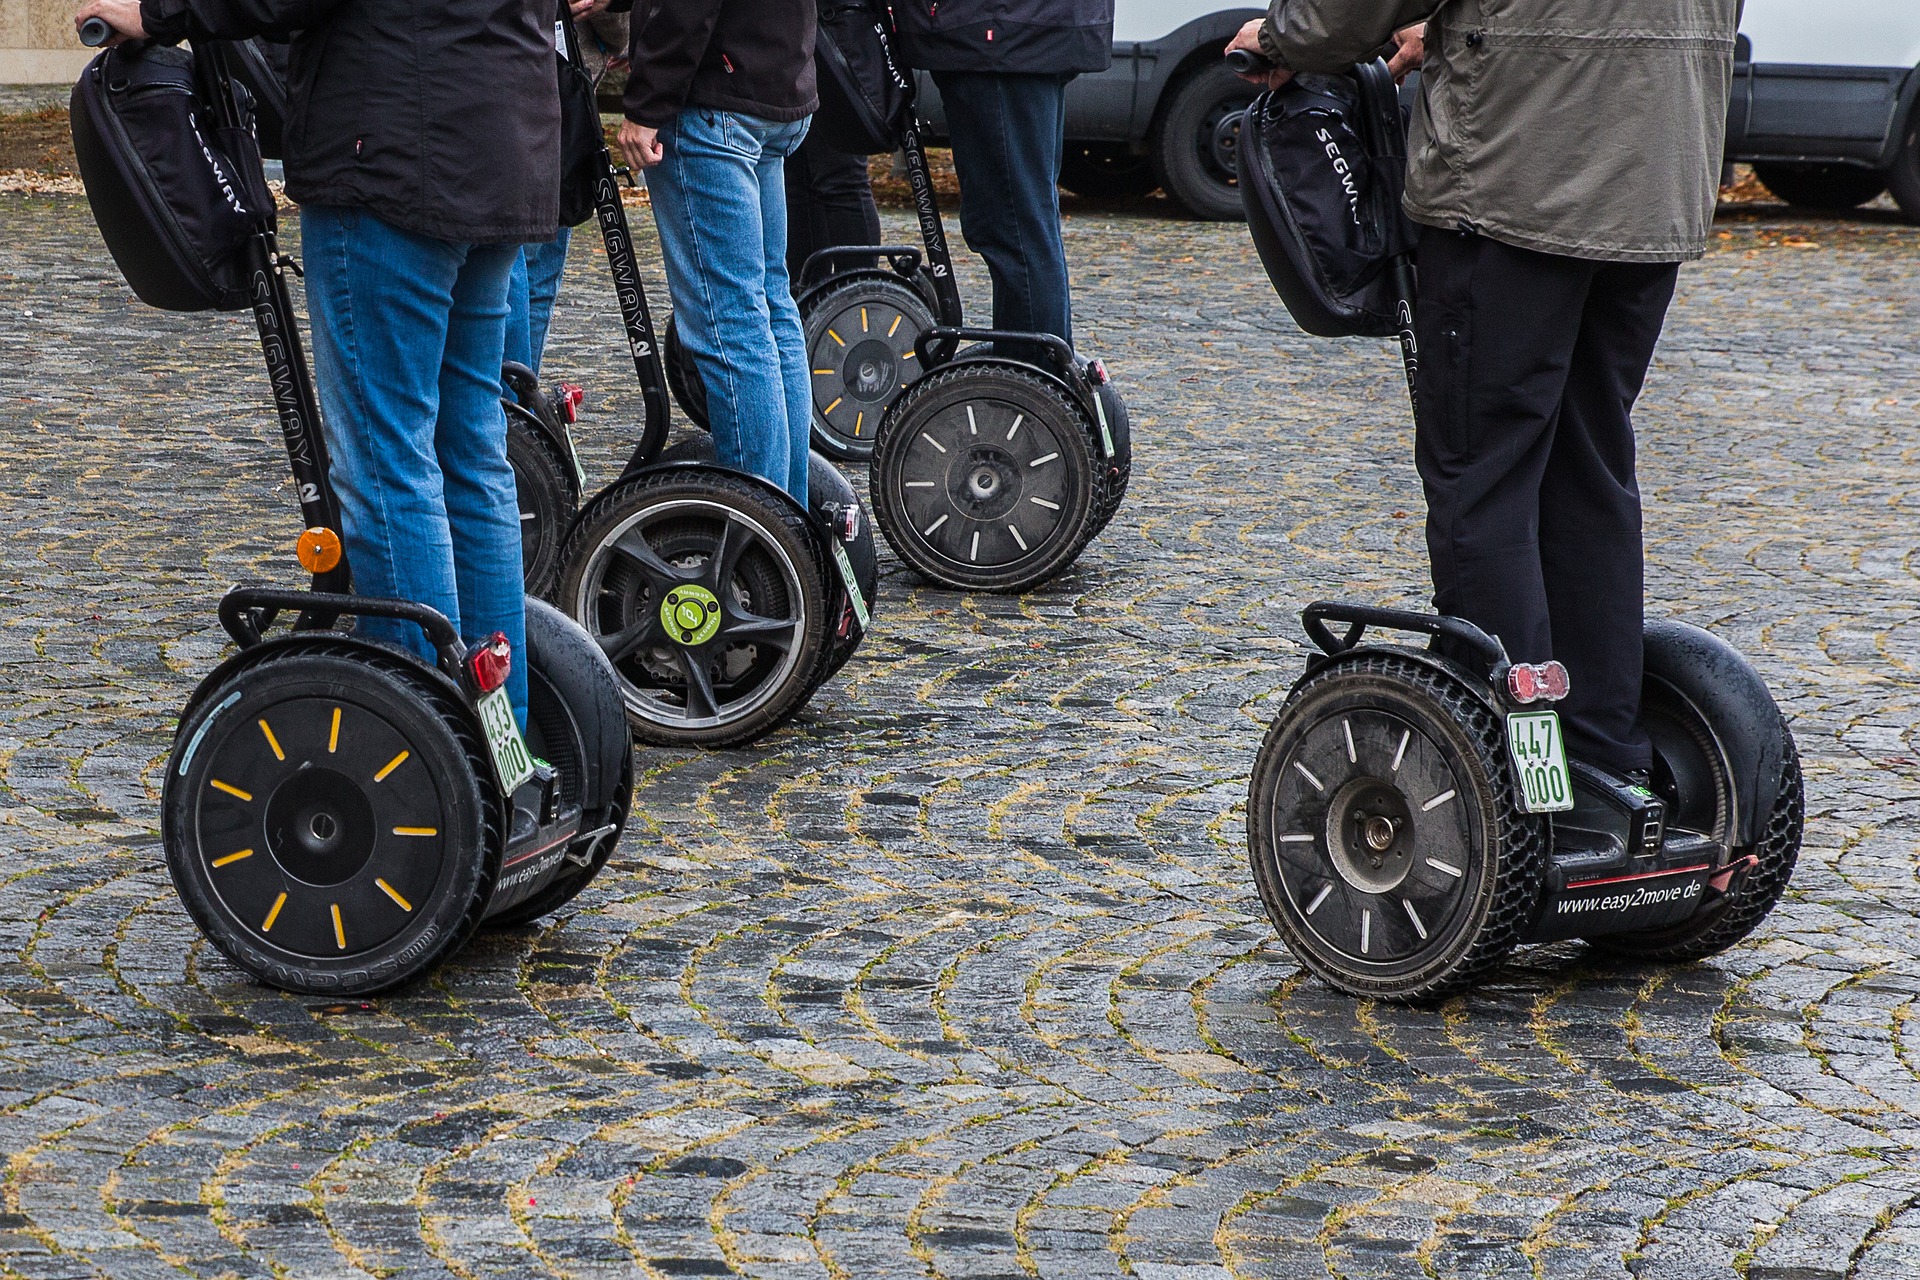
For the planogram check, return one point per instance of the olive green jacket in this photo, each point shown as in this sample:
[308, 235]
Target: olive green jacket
[1589, 128]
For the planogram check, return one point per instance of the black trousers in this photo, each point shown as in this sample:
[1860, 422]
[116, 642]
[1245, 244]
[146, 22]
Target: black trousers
[829, 203]
[1529, 367]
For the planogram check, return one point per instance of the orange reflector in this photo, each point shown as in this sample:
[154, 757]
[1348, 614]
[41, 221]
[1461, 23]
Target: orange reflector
[318, 549]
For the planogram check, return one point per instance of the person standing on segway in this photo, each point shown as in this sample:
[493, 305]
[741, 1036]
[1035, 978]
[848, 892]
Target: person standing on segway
[1563, 162]
[423, 147]
[719, 93]
[1002, 68]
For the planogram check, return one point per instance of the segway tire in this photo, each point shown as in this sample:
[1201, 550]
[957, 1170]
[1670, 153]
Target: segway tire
[860, 355]
[1698, 798]
[683, 377]
[577, 723]
[1388, 841]
[329, 817]
[547, 494]
[986, 477]
[1119, 468]
[752, 561]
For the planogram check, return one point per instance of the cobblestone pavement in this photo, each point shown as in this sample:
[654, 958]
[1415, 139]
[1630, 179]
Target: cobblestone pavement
[962, 974]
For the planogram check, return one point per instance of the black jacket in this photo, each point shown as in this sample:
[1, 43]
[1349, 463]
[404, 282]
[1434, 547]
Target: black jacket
[439, 116]
[1014, 36]
[750, 56]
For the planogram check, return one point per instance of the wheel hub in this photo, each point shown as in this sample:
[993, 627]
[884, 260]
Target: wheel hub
[690, 614]
[320, 826]
[871, 372]
[989, 483]
[1223, 142]
[1368, 835]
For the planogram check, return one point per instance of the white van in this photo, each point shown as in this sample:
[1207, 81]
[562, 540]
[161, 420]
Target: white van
[1823, 103]
[1823, 100]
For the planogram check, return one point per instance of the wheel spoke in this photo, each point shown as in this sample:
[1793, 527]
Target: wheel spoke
[701, 702]
[717, 574]
[660, 575]
[777, 632]
[621, 644]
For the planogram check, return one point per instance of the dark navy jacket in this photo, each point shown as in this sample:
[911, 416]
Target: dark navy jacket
[1049, 37]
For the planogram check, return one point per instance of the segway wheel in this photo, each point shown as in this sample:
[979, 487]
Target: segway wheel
[1387, 837]
[860, 353]
[577, 723]
[1119, 468]
[1690, 774]
[707, 593]
[547, 496]
[329, 819]
[985, 477]
[683, 377]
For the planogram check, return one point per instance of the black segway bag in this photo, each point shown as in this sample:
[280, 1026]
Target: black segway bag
[1323, 166]
[261, 67]
[864, 95]
[176, 197]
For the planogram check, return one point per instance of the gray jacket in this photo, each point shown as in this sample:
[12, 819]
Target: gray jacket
[1588, 128]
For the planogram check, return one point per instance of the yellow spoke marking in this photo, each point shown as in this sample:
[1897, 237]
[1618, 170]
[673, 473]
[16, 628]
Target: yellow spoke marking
[911, 355]
[393, 893]
[416, 831]
[822, 373]
[233, 857]
[892, 329]
[339, 930]
[274, 914]
[333, 739]
[830, 408]
[272, 741]
[863, 320]
[859, 418]
[231, 790]
[836, 337]
[391, 765]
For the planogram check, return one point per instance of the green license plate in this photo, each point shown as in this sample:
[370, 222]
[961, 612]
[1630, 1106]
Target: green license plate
[1539, 761]
[512, 762]
[845, 565]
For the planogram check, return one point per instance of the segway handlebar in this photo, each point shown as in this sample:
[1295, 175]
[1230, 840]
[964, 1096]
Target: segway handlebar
[1246, 62]
[1359, 617]
[95, 32]
[904, 259]
[246, 611]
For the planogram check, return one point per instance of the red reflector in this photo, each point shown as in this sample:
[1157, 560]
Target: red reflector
[571, 398]
[1523, 683]
[1097, 373]
[490, 661]
[1553, 681]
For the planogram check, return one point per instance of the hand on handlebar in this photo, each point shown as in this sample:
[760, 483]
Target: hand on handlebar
[1264, 74]
[1410, 50]
[121, 15]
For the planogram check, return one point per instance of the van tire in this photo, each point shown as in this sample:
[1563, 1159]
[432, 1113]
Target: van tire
[1193, 141]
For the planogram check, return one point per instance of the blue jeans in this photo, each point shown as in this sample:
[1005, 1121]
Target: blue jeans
[408, 333]
[1008, 134]
[719, 199]
[536, 283]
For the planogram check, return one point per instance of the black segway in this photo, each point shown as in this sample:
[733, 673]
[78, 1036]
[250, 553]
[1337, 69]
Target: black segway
[1412, 815]
[720, 602]
[338, 816]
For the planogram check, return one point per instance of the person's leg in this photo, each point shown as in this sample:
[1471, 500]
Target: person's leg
[380, 299]
[783, 314]
[545, 264]
[470, 443]
[519, 333]
[1497, 328]
[1590, 548]
[829, 202]
[707, 204]
[1007, 132]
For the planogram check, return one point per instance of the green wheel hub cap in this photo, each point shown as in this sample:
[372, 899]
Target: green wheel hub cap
[691, 614]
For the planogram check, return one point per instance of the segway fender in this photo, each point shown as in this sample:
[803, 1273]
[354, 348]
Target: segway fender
[1477, 686]
[1730, 695]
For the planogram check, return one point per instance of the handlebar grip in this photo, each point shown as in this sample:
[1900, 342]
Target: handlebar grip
[1247, 63]
[95, 32]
